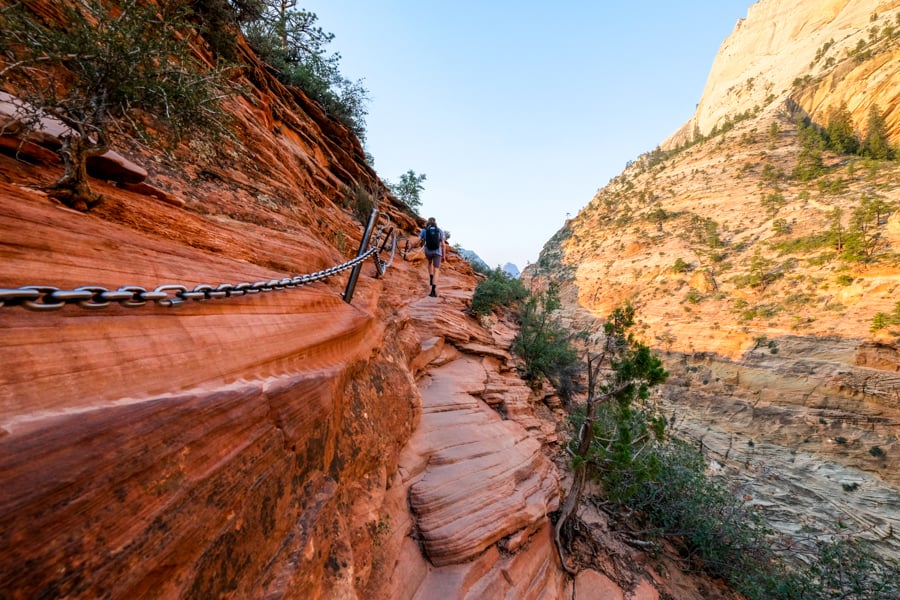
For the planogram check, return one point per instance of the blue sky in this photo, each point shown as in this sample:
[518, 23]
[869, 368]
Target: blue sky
[518, 112]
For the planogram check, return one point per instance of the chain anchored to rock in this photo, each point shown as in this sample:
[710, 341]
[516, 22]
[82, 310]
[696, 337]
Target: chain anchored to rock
[48, 298]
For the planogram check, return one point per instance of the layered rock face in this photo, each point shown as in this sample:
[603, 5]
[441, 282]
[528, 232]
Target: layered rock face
[807, 51]
[262, 445]
[768, 332]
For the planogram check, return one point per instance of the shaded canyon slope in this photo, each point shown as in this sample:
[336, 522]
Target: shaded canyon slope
[729, 253]
[277, 444]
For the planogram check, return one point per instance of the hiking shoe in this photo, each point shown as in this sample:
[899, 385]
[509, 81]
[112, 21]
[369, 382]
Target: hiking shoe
[433, 293]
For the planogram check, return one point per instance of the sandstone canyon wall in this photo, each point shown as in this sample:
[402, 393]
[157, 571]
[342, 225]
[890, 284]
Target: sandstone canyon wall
[275, 444]
[776, 370]
[805, 51]
[255, 446]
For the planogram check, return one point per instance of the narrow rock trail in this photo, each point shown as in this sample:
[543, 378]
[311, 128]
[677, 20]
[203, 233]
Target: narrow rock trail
[469, 508]
[469, 505]
[475, 480]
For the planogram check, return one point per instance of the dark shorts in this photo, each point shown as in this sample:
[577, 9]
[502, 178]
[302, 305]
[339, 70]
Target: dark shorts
[433, 257]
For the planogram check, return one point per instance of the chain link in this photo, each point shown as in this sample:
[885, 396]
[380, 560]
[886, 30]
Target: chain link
[48, 298]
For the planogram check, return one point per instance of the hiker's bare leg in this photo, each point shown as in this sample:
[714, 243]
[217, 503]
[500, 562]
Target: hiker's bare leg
[434, 263]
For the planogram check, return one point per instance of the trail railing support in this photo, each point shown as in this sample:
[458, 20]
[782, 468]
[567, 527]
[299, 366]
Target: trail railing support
[363, 245]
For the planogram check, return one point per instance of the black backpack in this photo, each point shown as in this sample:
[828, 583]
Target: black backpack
[432, 237]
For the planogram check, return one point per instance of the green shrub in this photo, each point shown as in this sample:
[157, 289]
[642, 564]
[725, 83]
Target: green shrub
[725, 534]
[693, 296]
[681, 266]
[290, 41]
[662, 482]
[359, 201]
[781, 226]
[883, 320]
[499, 289]
[103, 70]
[803, 244]
[844, 280]
[732, 540]
[544, 345]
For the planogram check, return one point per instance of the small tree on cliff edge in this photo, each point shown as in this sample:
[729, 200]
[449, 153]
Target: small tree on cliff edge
[409, 189]
[620, 375]
[96, 65]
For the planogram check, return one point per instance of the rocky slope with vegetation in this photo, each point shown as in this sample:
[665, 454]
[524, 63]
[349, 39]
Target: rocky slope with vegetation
[760, 245]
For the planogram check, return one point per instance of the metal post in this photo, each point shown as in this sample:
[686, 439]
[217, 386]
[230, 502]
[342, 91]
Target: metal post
[354, 274]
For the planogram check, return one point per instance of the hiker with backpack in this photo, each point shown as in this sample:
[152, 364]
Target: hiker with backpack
[433, 239]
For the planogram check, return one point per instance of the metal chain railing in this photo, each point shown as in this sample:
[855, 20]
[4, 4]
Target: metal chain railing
[380, 265]
[48, 298]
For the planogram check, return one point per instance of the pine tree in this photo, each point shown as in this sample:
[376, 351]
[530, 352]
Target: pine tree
[840, 133]
[876, 143]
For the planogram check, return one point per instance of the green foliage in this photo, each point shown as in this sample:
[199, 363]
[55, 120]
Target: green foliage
[409, 189]
[883, 320]
[732, 540]
[781, 226]
[97, 69]
[681, 266]
[773, 202]
[360, 201]
[477, 265]
[836, 234]
[220, 21]
[725, 534]
[863, 239]
[658, 215]
[774, 132]
[291, 42]
[545, 346]
[622, 441]
[771, 175]
[844, 280]
[876, 143]
[550, 258]
[834, 186]
[820, 53]
[693, 296]
[809, 160]
[625, 423]
[848, 567]
[840, 134]
[762, 272]
[499, 289]
[748, 313]
[801, 81]
[706, 231]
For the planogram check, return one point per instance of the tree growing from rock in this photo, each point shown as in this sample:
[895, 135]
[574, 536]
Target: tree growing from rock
[409, 189]
[99, 70]
[840, 132]
[291, 41]
[620, 377]
[864, 235]
[877, 143]
[545, 345]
